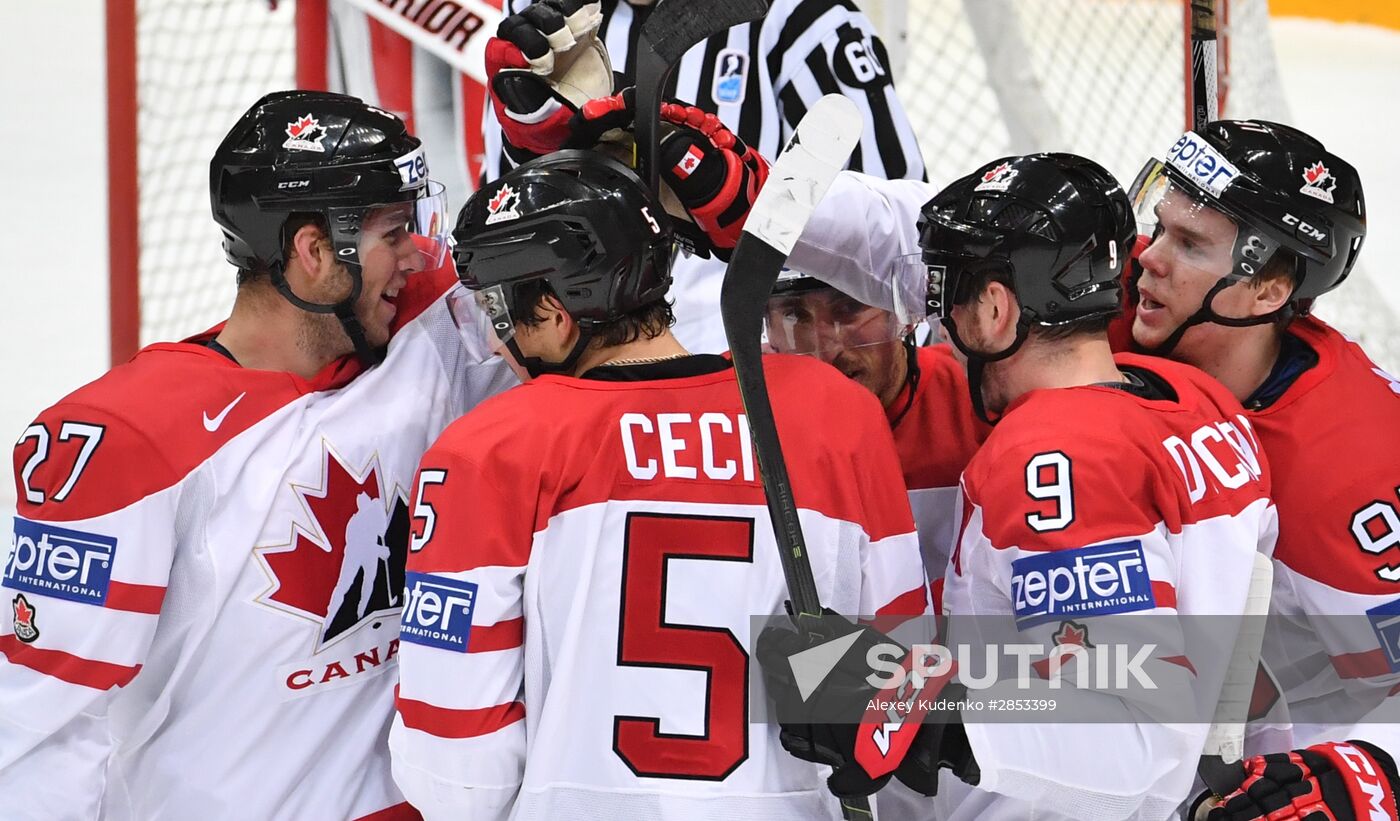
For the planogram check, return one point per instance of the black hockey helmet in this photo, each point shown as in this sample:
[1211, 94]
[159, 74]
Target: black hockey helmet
[1284, 191]
[313, 152]
[581, 222]
[1057, 226]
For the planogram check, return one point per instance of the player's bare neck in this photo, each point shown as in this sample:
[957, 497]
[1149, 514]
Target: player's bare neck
[268, 333]
[662, 347]
[1063, 363]
[1240, 358]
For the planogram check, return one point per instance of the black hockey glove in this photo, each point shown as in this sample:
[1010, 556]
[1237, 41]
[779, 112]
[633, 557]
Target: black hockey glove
[1335, 781]
[713, 173]
[550, 80]
[826, 726]
[940, 745]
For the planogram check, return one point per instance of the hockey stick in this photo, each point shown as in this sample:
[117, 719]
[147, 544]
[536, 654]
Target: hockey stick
[798, 180]
[1202, 101]
[673, 28]
[1222, 765]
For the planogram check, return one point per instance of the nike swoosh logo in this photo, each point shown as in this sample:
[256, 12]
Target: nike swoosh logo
[212, 425]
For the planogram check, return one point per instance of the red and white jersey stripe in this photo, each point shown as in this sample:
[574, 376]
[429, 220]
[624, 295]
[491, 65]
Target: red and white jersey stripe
[587, 558]
[205, 551]
[1173, 496]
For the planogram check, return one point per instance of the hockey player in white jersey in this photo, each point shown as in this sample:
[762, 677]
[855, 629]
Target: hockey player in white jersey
[1024, 259]
[201, 607]
[589, 548]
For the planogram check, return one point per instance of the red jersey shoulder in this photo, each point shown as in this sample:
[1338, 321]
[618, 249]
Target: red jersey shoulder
[421, 292]
[138, 429]
[938, 435]
[1332, 443]
[1053, 475]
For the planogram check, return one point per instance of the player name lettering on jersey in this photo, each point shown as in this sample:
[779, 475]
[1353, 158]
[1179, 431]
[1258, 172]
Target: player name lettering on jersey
[1087, 581]
[437, 611]
[55, 561]
[684, 446]
[1207, 445]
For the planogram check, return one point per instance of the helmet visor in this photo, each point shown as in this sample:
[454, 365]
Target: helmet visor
[417, 228]
[824, 321]
[1189, 232]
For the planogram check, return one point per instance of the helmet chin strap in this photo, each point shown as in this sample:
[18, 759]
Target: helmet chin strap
[536, 367]
[1206, 313]
[977, 360]
[344, 311]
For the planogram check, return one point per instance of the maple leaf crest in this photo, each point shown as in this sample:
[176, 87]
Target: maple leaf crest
[25, 629]
[1072, 633]
[996, 172]
[1316, 173]
[502, 197]
[348, 564]
[23, 613]
[304, 127]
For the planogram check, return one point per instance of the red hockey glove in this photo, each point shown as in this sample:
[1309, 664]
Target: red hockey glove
[712, 172]
[546, 69]
[1335, 781]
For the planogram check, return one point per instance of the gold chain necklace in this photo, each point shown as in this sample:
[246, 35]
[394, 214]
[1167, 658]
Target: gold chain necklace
[646, 360]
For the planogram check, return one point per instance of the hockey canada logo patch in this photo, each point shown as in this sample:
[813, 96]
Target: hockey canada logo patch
[25, 629]
[1318, 182]
[345, 561]
[730, 77]
[1088, 581]
[305, 134]
[997, 179]
[502, 205]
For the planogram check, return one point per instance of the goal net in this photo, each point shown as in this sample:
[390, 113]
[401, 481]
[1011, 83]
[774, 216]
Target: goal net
[979, 78]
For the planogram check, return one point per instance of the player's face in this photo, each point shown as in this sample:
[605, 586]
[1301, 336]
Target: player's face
[387, 256]
[863, 342]
[1191, 251]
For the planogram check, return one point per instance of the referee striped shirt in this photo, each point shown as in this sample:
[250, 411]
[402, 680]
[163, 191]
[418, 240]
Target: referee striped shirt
[800, 51]
[759, 78]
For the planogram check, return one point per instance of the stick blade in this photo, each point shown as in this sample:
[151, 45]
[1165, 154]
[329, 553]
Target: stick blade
[804, 171]
[1220, 767]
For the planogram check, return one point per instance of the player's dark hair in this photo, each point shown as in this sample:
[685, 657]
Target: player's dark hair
[972, 286]
[645, 322]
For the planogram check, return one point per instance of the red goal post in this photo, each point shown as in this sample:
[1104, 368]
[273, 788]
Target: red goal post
[300, 30]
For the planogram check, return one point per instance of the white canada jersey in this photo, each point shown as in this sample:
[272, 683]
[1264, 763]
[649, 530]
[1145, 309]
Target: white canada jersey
[201, 604]
[586, 559]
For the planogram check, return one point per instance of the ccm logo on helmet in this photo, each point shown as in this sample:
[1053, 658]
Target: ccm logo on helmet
[1205, 166]
[1305, 230]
